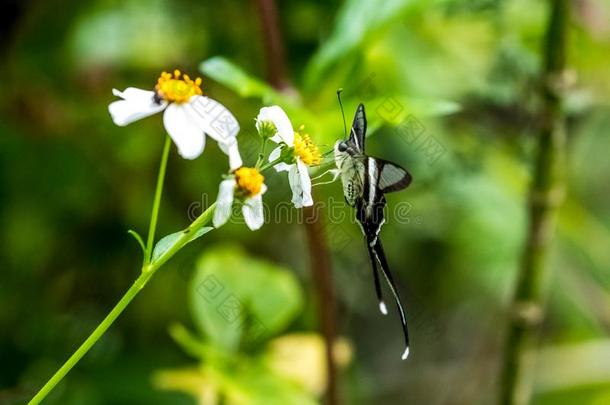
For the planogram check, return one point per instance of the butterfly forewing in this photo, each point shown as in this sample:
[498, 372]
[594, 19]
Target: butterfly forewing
[358, 131]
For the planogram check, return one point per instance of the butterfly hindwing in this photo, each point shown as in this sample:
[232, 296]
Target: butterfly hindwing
[370, 218]
[385, 270]
[392, 177]
[371, 206]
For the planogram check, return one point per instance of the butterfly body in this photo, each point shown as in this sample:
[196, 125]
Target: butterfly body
[350, 166]
[365, 181]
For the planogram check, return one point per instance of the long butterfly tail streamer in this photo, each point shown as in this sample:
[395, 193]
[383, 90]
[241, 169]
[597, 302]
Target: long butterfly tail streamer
[379, 253]
[378, 291]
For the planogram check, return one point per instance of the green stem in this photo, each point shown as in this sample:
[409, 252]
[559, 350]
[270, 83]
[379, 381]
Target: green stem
[186, 237]
[157, 201]
[261, 154]
[271, 164]
[147, 272]
[546, 194]
[93, 338]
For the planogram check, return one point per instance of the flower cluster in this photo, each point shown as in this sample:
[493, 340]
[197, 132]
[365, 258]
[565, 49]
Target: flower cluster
[189, 116]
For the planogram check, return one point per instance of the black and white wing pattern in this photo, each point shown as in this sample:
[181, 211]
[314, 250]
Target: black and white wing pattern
[365, 181]
[358, 132]
[391, 176]
[350, 158]
[379, 176]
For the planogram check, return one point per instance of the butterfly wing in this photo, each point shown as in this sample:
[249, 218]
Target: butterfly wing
[391, 177]
[358, 131]
[380, 176]
[351, 160]
[385, 270]
[370, 206]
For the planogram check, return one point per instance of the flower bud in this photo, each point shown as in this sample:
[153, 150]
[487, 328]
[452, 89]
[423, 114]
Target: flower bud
[266, 129]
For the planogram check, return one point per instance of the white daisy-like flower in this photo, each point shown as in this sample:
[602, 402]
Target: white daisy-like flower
[248, 185]
[304, 152]
[187, 118]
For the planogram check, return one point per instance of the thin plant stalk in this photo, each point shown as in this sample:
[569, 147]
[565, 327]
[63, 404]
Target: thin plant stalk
[148, 270]
[546, 195]
[157, 201]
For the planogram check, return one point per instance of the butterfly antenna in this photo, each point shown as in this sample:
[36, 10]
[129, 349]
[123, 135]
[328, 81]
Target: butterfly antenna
[342, 112]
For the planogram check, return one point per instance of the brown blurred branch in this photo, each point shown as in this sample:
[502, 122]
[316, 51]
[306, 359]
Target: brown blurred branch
[546, 195]
[274, 45]
[321, 271]
[320, 260]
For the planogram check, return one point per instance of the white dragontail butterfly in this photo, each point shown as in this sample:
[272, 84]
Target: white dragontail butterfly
[365, 181]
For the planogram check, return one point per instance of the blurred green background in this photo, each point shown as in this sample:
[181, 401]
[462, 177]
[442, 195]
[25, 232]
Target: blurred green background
[451, 89]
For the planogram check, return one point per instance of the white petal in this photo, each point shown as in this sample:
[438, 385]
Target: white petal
[295, 185]
[232, 151]
[214, 119]
[222, 213]
[275, 153]
[184, 131]
[136, 104]
[253, 212]
[275, 114]
[306, 199]
[300, 183]
[280, 167]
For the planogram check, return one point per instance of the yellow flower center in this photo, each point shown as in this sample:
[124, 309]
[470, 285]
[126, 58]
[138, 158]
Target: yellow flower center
[177, 88]
[249, 181]
[305, 149]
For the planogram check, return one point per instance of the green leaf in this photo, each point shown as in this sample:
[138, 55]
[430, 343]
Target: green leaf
[187, 341]
[188, 380]
[356, 21]
[138, 239]
[236, 79]
[410, 109]
[168, 241]
[251, 383]
[262, 387]
[237, 299]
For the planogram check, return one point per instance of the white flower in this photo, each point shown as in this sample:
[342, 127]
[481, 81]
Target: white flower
[304, 152]
[275, 119]
[248, 184]
[187, 118]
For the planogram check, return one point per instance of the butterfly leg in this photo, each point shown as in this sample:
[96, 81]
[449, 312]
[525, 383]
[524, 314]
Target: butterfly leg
[335, 175]
[379, 253]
